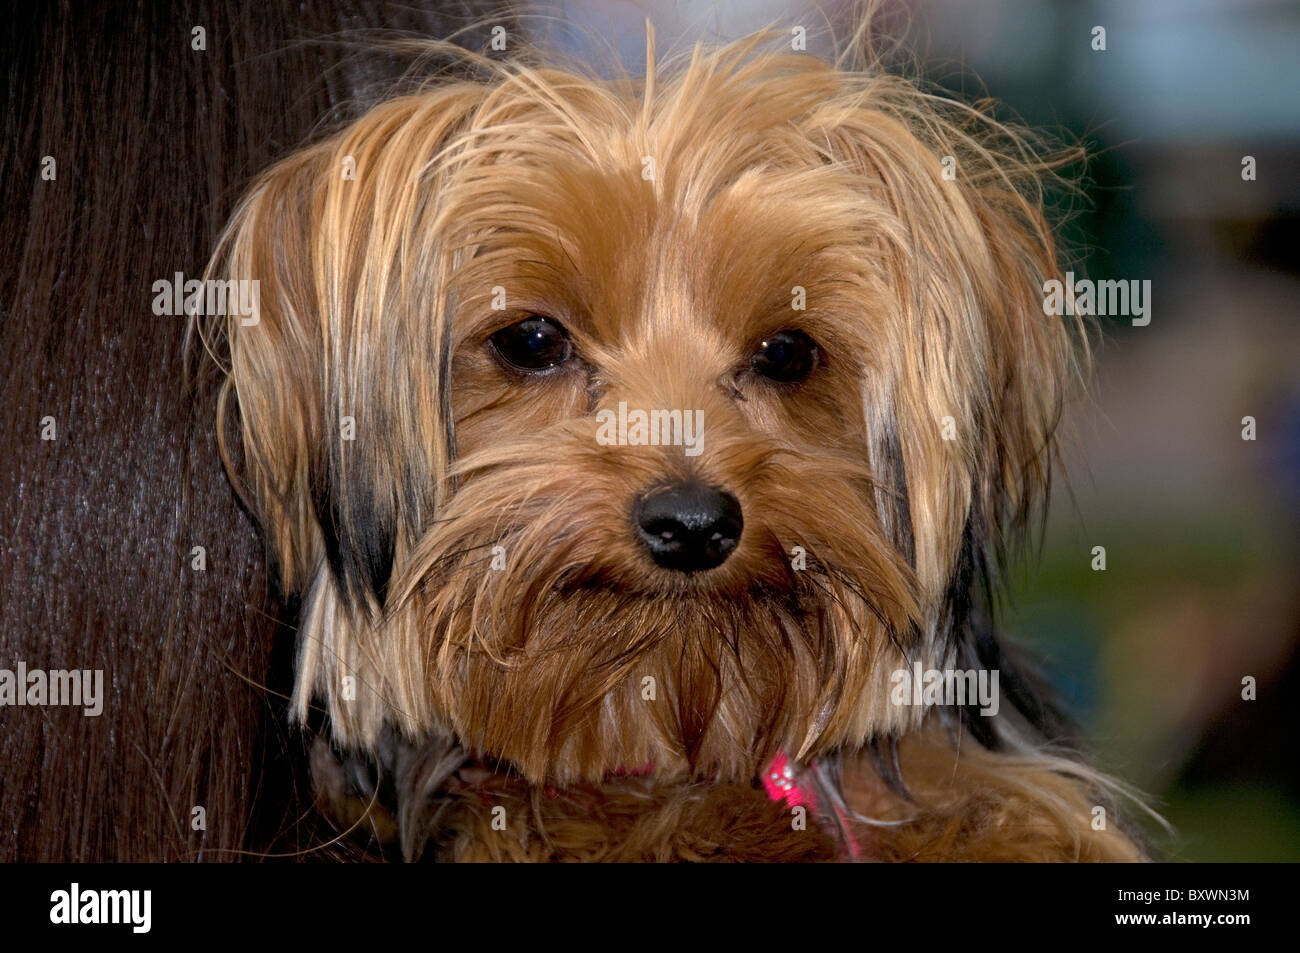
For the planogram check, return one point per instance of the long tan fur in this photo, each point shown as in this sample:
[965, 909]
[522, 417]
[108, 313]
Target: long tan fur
[667, 225]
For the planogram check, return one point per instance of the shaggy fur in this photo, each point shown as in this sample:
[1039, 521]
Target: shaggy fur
[667, 225]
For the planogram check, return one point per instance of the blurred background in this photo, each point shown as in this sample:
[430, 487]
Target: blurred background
[1201, 527]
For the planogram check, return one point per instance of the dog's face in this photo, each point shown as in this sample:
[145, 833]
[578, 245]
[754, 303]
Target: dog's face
[606, 427]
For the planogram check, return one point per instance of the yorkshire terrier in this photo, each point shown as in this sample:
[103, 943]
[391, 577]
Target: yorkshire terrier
[636, 445]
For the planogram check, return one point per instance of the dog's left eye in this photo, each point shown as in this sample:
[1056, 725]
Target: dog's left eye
[787, 356]
[533, 344]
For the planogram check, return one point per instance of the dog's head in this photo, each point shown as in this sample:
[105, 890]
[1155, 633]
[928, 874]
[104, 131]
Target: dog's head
[608, 424]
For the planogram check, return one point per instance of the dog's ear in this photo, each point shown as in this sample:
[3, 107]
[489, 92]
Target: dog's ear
[979, 370]
[337, 386]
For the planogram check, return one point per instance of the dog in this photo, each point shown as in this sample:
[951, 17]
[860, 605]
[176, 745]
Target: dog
[639, 447]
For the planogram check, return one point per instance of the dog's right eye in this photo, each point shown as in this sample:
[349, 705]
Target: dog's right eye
[533, 344]
[787, 356]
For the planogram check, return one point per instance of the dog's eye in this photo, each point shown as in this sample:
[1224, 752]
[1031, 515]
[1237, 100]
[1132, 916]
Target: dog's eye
[787, 356]
[533, 344]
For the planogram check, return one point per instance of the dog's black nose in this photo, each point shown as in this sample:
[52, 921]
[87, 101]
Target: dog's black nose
[688, 526]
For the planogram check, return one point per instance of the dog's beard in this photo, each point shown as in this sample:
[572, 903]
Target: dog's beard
[527, 621]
